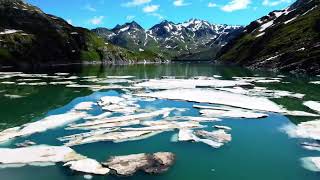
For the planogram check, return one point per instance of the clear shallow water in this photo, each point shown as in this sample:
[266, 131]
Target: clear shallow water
[258, 150]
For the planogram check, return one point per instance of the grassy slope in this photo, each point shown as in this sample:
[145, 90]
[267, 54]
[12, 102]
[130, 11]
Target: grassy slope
[286, 39]
[47, 39]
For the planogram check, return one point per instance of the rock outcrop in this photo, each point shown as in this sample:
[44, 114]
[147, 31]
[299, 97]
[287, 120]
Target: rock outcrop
[150, 163]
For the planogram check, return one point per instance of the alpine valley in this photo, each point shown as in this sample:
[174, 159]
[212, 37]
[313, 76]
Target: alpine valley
[28, 36]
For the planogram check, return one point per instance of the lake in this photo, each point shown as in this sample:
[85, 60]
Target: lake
[259, 149]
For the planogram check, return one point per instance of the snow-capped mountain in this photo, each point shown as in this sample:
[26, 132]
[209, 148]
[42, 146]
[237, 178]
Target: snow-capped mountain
[169, 38]
[283, 40]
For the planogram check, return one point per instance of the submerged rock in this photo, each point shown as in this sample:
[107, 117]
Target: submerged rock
[150, 163]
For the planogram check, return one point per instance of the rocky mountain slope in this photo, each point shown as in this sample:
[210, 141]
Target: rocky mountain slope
[285, 40]
[172, 40]
[29, 36]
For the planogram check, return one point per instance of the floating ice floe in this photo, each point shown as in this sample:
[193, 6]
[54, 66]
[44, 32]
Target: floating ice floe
[116, 81]
[150, 163]
[217, 97]
[13, 96]
[311, 146]
[49, 122]
[313, 105]
[87, 166]
[192, 118]
[99, 87]
[311, 163]
[140, 116]
[222, 127]
[100, 116]
[106, 125]
[62, 83]
[108, 100]
[87, 134]
[214, 139]
[37, 84]
[262, 91]
[41, 154]
[259, 79]
[300, 113]
[25, 144]
[28, 79]
[228, 112]
[219, 136]
[232, 114]
[268, 81]
[122, 108]
[315, 82]
[164, 126]
[189, 83]
[7, 82]
[45, 155]
[62, 74]
[309, 130]
[84, 106]
[10, 31]
[121, 77]
[112, 136]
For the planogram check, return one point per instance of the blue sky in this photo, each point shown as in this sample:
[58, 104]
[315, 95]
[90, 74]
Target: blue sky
[108, 13]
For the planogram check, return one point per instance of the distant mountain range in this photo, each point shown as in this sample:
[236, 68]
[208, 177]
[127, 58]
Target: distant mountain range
[177, 41]
[286, 40]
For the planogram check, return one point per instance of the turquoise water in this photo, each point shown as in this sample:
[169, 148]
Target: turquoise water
[258, 150]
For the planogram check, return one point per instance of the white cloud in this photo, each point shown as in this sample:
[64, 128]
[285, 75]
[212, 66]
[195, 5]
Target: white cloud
[130, 17]
[136, 3]
[159, 16]
[211, 4]
[90, 8]
[97, 20]
[151, 8]
[69, 21]
[180, 3]
[234, 5]
[274, 2]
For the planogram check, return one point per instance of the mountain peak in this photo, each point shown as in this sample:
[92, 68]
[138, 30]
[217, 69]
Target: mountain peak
[134, 24]
[127, 26]
[166, 22]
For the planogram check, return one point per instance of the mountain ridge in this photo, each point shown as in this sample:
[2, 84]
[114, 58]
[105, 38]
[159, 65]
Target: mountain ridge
[284, 40]
[171, 39]
[29, 36]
